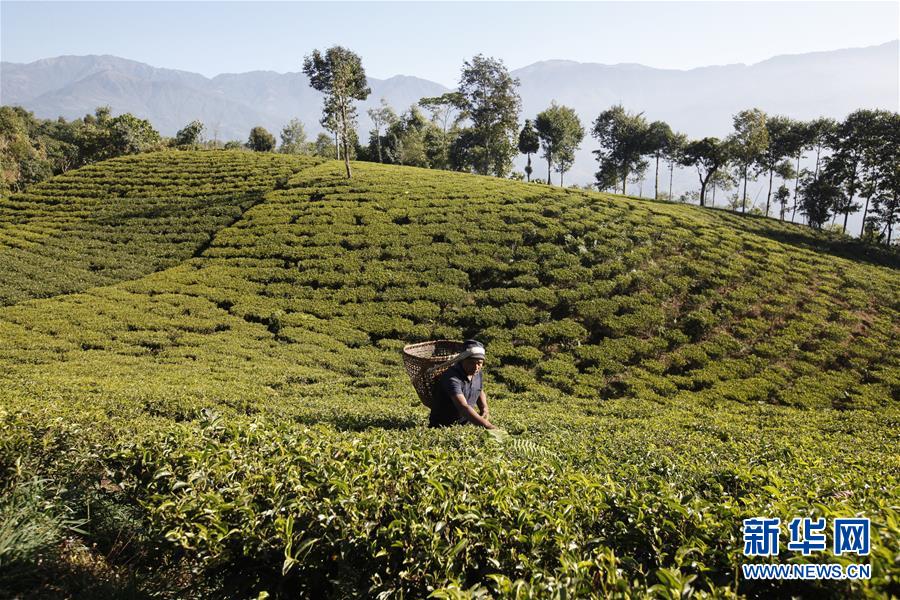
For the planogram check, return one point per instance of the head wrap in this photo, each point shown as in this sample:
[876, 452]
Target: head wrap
[473, 349]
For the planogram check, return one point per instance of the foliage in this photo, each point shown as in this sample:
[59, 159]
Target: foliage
[340, 76]
[382, 116]
[708, 156]
[488, 99]
[748, 144]
[622, 138]
[560, 133]
[293, 138]
[663, 372]
[261, 140]
[190, 135]
[33, 150]
[529, 143]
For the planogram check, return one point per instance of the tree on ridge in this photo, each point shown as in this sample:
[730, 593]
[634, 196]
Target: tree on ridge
[339, 75]
[261, 140]
[621, 136]
[560, 133]
[529, 143]
[748, 144]
[489, 100]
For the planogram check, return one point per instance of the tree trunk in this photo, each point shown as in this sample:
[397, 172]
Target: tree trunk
[528, 170]
[783, 200]
[852, 192]
[796, 188]
[378, 143]
[656, 186]
[769, 196]
[549, 163]
[671, 172]
[346, 138]
[702, 186]
[561, 173]
[891, 219]
[862, 229]
[744, 198]
[624, 179]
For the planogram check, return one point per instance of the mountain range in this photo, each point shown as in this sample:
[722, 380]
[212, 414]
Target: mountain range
[698, 101]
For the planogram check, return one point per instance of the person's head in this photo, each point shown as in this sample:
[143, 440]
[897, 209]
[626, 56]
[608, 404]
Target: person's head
[475, 361]
[472, 365]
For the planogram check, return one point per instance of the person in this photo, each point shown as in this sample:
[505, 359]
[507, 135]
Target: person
[459, 396]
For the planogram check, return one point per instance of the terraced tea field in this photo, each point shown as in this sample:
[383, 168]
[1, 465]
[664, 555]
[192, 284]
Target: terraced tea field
[200, 369]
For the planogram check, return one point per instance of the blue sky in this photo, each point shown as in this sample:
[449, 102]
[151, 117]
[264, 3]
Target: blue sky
[432, 39]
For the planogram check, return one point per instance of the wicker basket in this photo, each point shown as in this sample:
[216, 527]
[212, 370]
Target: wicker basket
[427, 361]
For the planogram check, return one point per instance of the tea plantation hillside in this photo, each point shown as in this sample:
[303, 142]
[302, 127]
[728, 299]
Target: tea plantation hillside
[126, 218]
[221, 409]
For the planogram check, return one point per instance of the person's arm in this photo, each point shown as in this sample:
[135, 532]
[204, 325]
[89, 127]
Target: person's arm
[469, 413]
[483, 406]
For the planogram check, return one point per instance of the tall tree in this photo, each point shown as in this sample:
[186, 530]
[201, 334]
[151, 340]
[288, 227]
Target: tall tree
[786, 171]
[293, 138]
[655, 142]
[560, 133]
[821, 131]
[529, 143]
[339, 75]
[883, 181]
[802, 134]
[489, 99]
[382, 116]
[820, 194]
[749, 143]
[782, 143]
[851, 141]
[672, 153]
[708, 156]
[621, 136]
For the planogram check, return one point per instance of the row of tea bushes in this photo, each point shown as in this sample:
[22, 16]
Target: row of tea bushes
[662, 372]
[130, 217]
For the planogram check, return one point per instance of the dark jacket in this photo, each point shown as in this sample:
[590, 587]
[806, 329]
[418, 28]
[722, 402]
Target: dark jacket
[454, 381]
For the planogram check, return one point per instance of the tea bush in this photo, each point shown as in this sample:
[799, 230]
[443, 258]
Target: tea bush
[663, 372]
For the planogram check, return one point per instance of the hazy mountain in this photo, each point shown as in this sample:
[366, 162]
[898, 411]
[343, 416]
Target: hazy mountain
[229, 104]
[698, 101]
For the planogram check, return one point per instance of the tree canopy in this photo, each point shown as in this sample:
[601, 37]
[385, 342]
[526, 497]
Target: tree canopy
[560, 133]
[293, 138]
[261, 140]
[529, 143]
[708, 156]
[622, 141]
[489, 100]
[339, 74]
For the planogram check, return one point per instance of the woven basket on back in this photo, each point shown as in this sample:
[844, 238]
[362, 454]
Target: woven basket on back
[427, 361]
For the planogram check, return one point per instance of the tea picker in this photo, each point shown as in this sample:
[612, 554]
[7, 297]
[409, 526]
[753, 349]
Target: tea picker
[446, 375]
